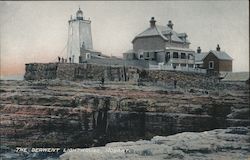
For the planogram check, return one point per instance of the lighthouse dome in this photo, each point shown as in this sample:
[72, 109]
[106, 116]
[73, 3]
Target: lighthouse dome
[79, 14]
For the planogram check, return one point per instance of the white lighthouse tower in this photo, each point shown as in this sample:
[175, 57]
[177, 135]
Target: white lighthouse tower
[79, 34]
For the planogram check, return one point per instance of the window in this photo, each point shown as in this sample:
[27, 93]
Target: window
[211, 65]
[167, 56]
[80, 59]
[183, 55]
[175, 55]
[87, 55]
[154, 55]
[140, 55]
[146, 55]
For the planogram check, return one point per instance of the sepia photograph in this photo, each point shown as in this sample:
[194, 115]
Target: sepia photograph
[132, 80]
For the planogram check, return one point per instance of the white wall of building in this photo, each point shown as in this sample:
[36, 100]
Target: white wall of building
[79, 32]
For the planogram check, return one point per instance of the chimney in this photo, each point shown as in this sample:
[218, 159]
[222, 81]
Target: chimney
[218, 48]
[170, 24]
[170, 37]
[199, 49]
[152, 22]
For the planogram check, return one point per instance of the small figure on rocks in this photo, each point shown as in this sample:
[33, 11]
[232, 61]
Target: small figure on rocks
[69, 59]
[175, 83]
[59, 59]
[102, 81]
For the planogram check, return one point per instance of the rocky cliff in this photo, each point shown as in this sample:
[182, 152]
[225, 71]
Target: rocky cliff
[52, 113]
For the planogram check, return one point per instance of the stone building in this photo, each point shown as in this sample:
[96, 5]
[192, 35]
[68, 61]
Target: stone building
[162, 45]
[214, 61]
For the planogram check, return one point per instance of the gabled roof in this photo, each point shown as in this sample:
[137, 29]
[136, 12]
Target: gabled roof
[221, 55]
[162, 31]
[200, 56]
[176, 37]
[152, 31]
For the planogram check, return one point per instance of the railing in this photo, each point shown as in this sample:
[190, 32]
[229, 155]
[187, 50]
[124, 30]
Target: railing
[179, 60]
[177, 68]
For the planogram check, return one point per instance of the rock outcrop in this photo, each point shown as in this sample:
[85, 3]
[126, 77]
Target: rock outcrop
[232, 143]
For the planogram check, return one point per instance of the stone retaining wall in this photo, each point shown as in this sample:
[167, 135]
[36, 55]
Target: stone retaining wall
[183, 79]
[36, 71]
[72, 71]
[95, 72]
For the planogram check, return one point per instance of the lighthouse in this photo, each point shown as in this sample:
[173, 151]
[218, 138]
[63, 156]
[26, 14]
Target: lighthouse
[79, 35]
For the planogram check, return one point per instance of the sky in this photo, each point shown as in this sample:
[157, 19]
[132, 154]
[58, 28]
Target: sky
[36, 31]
